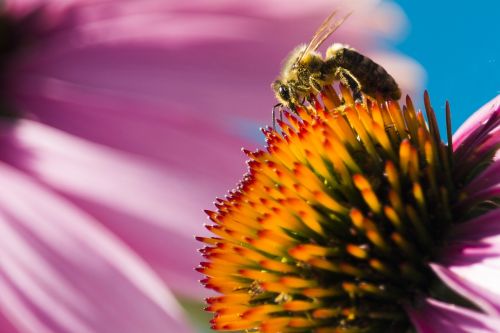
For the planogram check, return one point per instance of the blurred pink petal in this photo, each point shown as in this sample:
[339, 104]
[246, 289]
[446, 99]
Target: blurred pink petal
[151, 100]
[62, 272]
[111, 200]
[436, 317]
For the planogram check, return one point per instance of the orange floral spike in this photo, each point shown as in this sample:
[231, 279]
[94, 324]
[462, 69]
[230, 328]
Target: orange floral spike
[304, 252]
[346, 95]
[235, 326]
[371, 200]
[297, 306]
[377, 114]
[378, 240]
[276, 287]
[307, 178]
[360, 129]
[325, 313]
[228, 259]
[207, 240]
[235, 298]
[324, 264]
[351, 270]
[332, 227]
[320, 292]
[380, 266]
[395, 201]
[419, 195]
[271, 247]
[392, 216]
[357, 251]
[397, 117]
[404, 156]
[223, 285]
[277, 266]
[300, 322]
[276, 236]
[392, 176]
[403, 244]
[327, 201]
[273, 325]
[234, 312]
[304, 116]
[259, 275]
[293, 121]
[261, 312]
[345, 132]
[217, 269]
[296, 282]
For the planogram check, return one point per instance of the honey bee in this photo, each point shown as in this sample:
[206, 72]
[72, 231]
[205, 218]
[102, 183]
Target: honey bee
[306, 72]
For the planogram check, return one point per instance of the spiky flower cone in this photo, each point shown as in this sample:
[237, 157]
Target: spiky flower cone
[334, 226]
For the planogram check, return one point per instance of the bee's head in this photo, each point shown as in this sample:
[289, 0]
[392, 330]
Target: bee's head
[282, 91]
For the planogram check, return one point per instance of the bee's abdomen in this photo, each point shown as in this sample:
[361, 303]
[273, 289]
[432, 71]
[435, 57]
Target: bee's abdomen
[373, 78]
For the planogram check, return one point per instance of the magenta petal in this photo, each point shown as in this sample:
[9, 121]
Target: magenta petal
[486, 179]
[62, 272]
[436, 317]
[470, 264]
[483, 187]
[482, 230]
[475, 121]
[105, 69]
[155, 209]
[477, 139]
[478, 294]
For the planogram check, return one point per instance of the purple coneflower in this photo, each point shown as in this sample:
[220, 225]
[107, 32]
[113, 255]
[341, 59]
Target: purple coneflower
[358, 218]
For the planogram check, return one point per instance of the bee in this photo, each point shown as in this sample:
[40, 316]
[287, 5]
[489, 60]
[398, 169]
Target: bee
[306, 72]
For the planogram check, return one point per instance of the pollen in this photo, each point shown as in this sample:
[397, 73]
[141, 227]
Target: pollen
[333, 225]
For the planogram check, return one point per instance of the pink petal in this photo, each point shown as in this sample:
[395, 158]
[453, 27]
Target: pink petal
[155, 210]
[437, 317]
[473, 123]
[63, 272]
[486, 179]
[147, 71]
[6, 325]
[470, 264]
[163, 94]
[483, 187]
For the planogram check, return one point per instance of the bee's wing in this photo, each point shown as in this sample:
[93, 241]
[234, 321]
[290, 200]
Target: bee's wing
[326, 28]
[330, 28]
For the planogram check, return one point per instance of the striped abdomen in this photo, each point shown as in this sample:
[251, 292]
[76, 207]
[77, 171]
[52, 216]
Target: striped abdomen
[372, 77]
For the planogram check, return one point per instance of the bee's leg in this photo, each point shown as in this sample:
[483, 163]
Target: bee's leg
[315, 83]
[274, 114]
[349, 80]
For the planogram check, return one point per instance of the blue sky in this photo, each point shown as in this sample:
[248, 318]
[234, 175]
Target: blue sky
[457, 42]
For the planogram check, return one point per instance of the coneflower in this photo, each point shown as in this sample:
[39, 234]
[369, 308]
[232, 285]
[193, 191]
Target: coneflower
[358, 218]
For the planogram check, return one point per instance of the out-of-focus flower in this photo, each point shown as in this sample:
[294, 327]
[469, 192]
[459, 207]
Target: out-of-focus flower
[63, 272]
[134, 110]
[357, 218]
